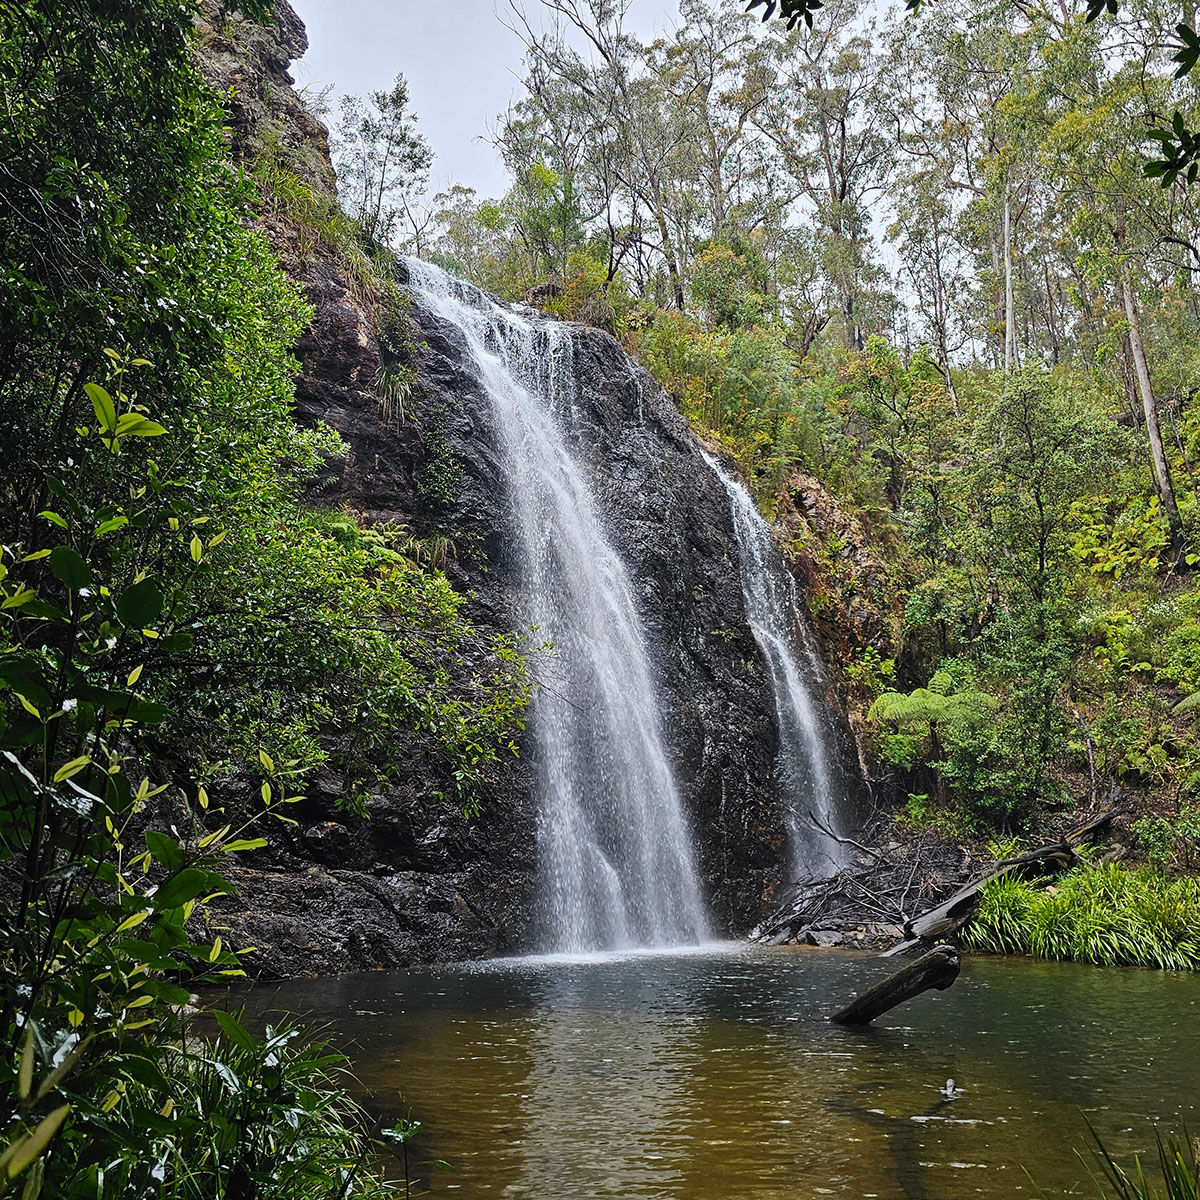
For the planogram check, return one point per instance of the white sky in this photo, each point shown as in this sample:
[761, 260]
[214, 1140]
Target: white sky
[461, 63]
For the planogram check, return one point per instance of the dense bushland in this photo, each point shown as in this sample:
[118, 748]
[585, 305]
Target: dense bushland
[172, 615]
[1002, 405]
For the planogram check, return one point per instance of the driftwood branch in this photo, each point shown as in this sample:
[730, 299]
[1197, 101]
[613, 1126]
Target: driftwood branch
[845, 841]
[938, 969]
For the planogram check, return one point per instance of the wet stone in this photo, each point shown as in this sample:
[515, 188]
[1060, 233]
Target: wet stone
[825, 938]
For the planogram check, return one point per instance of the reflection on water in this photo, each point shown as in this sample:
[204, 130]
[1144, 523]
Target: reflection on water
[715, 1074]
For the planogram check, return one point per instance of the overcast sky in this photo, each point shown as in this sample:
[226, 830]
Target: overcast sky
[461, 63]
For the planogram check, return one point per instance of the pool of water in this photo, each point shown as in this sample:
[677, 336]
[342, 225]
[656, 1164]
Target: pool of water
[715, 1074]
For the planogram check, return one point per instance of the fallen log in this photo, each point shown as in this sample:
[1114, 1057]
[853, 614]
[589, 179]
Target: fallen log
[952, 914]
[938, 969]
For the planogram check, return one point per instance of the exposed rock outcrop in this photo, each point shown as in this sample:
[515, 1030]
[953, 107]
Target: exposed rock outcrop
[416, 882]
[855, 589]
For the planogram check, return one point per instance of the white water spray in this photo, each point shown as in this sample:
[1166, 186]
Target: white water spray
[802, 760]
[615, 852]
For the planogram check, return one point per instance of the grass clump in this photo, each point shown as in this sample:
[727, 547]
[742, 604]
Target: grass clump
[1106, 915]
[1177, 1160]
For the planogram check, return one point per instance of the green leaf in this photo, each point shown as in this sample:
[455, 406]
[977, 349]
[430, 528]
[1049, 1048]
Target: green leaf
[26, 673]
[72, 768]
[234, 1031]
[110, 525]
[102, 403]
[244, 844]
[166, 850]
[168, 993]
[132, 922]
[135, 425]
[25, 1074]
[68, 567]
[185, 886]
[19, 1155]
[140, 604]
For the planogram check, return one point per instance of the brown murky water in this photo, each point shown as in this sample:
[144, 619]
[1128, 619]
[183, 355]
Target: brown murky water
[714, 1075]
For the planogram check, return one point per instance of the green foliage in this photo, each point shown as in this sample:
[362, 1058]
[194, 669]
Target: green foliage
[973, 744]
[1177, 1161]
[871, 672]
[1116, 537]
[173, 615]
[1171, 842]
[269, 1118]
[382, 162]
[441, 472]
[723, 288]
[793, 11]
[1106, 915]
[740, 386]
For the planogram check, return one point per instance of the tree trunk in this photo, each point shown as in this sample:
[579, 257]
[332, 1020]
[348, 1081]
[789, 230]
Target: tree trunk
[998, 275]
[1131, 389]
[1162, 470]
[1010, 325]
[937, 969]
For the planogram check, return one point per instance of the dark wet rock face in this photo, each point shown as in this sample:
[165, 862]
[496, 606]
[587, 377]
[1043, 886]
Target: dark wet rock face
[416, 881]
[668, 517]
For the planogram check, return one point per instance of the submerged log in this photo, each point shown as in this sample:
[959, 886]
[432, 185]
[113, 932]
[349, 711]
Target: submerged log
[938, 969]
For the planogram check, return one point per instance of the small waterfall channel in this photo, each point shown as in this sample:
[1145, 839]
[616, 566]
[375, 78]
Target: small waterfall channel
[804, 762]
[614, 848]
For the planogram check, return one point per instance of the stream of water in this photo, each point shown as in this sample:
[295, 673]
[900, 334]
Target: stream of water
[614, 849]
[714, 1074]
[803, 761]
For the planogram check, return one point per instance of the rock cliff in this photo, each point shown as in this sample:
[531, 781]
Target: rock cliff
[415, 881]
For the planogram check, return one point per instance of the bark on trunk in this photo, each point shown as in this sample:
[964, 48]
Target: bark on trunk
[1162, 470]
[1010, 325]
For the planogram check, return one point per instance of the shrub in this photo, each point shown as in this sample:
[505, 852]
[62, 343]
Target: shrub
[1106, 915]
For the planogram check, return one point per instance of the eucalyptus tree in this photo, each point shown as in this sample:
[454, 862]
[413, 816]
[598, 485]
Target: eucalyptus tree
[956, 69]
[825, 117]
[382, 161]
[1119, 220]
[718, 74]
[931, 260]
[543, 142]
[646, 142]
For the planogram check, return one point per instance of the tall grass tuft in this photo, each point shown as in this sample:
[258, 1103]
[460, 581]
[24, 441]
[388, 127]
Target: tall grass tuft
[1105, 915]
[1177, 1160]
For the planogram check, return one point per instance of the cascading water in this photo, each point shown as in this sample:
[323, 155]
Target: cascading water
[615, 853]
[803, 760]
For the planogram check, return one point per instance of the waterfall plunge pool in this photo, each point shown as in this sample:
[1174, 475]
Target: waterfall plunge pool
[713, 1073]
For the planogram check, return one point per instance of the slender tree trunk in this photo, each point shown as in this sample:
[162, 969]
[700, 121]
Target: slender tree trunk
[853, 336]
[998, 274]
[1131, 387]
[668, 250]
[1010, 325]
[1162, 471]
[1051, 326]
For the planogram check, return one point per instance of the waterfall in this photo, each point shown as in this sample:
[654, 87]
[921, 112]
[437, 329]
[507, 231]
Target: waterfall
[803, 760]
[615, 855]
